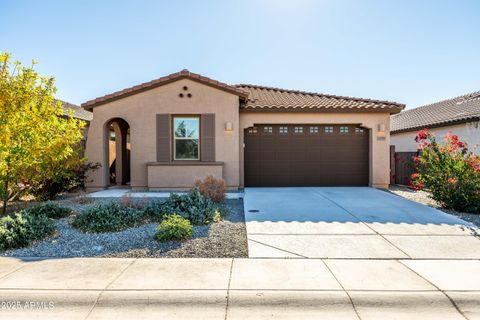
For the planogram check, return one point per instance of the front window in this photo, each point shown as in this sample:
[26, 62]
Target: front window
[186, 133]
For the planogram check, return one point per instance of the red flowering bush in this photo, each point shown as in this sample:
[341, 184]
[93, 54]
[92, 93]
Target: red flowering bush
[449, 171]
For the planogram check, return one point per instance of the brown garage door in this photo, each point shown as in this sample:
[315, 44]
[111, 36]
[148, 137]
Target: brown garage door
[306, 155]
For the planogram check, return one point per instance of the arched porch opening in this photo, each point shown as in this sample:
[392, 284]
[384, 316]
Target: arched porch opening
[118, 156]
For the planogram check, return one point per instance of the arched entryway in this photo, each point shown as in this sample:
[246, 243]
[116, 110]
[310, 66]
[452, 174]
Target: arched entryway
[118, 155]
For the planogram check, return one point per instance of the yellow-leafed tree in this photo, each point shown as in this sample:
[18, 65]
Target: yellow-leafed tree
[35, 138]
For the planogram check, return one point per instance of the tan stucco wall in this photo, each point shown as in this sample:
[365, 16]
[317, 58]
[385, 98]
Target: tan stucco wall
[140, 112]
[379, 149]
[469, 132]
[180, 177]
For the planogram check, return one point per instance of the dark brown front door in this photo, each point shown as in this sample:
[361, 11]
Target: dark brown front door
[306, 155]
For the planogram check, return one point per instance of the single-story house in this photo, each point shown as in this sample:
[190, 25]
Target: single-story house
[78, 113]
[185, 126]
[460, 116]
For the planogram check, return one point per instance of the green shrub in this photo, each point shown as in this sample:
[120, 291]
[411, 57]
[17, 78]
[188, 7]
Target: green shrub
[449, 171]
[155, 210]
[174, 227]
[195, 207]
[24, 228]
[51, 210]
[108, 217]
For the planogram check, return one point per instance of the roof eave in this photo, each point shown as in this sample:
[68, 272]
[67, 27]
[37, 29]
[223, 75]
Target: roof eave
[393, 110]
[184, 74]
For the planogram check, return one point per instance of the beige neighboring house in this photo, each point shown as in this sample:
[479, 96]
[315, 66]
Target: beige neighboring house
[460, 116]
[184, 126]
[78, 113]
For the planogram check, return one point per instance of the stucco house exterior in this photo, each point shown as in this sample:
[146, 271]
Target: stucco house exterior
[460, 116]
[184, 126]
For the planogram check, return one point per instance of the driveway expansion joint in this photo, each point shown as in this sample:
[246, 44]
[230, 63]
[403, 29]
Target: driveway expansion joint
[228, 288]
[267, 245]
[439, 289]
[365, 224]
[343, 288]
[13, 271]
[106, 288]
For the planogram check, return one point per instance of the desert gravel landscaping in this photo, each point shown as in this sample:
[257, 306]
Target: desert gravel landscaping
[424, 198]
[225, 239]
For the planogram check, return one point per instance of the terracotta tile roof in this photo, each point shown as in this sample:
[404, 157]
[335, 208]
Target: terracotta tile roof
[460, 109]
[161, 81]
[78, 112]
[263, 98]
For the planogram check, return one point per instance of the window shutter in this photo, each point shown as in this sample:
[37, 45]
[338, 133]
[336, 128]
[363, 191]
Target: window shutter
[207, 136]
[163, 138]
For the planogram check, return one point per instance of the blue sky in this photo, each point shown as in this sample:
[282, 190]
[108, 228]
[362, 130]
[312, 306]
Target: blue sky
[414, 52]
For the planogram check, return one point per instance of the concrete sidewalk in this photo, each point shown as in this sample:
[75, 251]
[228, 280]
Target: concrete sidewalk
[97, 288]
[124, 192]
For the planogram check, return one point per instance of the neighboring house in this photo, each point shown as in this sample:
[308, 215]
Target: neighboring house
[78, 113]
[459, 116]
[185, 126]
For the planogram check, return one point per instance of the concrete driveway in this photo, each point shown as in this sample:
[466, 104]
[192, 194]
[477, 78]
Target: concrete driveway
[363, 223]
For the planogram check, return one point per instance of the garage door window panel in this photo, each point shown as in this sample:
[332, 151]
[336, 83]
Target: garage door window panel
[298, 130]
[359, 130]
[283, 130]
[344, 129]
[313, 130]
[328, 129]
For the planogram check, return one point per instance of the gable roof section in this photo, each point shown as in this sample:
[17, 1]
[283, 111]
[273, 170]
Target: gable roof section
[457, 110]
[184, 74]
[78, 112]
[266, 99]
[262, 99]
